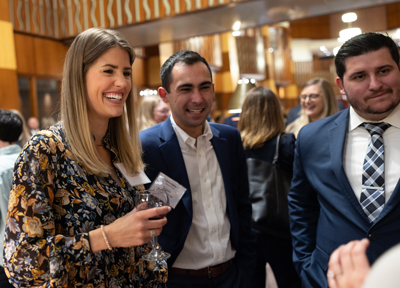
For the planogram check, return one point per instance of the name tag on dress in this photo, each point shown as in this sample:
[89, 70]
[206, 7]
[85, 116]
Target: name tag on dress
[133, 179]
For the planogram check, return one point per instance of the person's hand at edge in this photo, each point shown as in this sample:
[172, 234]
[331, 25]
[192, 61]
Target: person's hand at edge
[348, 265]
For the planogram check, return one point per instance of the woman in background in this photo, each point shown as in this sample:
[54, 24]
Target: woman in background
[317, 100]
[261, 121]
[71, 220]
[152, 111]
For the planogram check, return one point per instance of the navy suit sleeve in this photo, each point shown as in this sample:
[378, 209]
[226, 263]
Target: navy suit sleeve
[245, 254]
[304, 213]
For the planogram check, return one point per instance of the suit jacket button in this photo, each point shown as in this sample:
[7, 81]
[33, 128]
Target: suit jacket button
[371, 236]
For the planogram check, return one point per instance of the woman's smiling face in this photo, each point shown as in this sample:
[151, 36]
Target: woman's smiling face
[312, 102]
[108, 83]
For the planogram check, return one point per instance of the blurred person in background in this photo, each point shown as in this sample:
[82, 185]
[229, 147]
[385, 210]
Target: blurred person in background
[317, 100]
[10, 131]
[261, 121]
[71, 220]
[33, 124]
[152, 111]
[25, 134]
[294, 113]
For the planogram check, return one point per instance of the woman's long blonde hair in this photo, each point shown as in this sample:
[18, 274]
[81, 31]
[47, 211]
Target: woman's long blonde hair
[84, 51]
[146, 110]
[261, 118]
[328, 98]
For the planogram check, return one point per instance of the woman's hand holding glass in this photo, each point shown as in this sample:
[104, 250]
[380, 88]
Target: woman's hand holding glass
[148, 200]
[136, 228]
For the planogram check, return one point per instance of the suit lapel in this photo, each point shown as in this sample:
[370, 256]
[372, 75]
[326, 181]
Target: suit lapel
[173, 158]
[392, 202]
[337, 135]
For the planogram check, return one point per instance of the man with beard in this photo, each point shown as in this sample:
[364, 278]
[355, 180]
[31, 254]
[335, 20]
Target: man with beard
[208, 233]
[345, 183]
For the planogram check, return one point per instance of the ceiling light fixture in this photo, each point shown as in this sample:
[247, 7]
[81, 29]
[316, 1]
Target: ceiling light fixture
[349, 17]
[350, 31]
[236, 28]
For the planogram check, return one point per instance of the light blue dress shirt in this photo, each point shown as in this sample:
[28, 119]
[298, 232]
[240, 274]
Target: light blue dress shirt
[8, 155]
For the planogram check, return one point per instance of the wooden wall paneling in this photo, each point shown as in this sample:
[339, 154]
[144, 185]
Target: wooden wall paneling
[7, 47]
[31, 18]
[33, 97]
[223, 87]
[35, 19]
[138, 11]
[139, 72]
[96, 21]
[75, 27]
[204, 3]
[17, 24]
[183, 8]
[371, 19]
[153, 71]
[151, 15]
[49, 57]
[392, 15]
[80, 27]
[25, 53]
[312, 28]
[9, 94]
[4, 11]
[114, 14]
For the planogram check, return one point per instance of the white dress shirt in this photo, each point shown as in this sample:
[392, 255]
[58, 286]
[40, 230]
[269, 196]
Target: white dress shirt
[208, 242]
[355, 149]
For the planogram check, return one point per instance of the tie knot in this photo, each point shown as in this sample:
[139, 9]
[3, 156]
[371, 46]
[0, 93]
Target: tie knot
[376, 128]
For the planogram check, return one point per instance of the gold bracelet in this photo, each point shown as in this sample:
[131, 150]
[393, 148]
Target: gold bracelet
[105, 238]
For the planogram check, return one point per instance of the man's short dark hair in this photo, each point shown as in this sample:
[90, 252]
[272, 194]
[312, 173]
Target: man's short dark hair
[10, 126]
[363, 44]
[186, 56]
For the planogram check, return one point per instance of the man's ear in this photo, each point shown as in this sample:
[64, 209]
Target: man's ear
[163, 94]
[339, 83]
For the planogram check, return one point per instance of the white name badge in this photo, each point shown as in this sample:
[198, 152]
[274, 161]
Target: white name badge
[133, 179]
[173, 189]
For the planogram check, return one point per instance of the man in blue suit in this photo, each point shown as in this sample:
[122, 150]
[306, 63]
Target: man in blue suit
[208, 233]
[327, 200]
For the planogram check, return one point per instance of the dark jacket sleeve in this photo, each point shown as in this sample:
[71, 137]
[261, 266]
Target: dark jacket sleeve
[245, 254]
[304, 213]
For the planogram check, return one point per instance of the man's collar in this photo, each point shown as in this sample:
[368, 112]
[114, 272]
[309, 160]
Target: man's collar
[186, 137]
[393, 119]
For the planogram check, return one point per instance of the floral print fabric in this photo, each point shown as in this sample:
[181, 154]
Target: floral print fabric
[53, 205]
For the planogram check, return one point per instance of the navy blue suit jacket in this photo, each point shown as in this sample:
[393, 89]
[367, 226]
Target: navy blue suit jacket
[324, 211]
[161, 153]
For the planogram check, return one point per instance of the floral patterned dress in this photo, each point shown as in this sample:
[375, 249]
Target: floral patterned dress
[53, 205]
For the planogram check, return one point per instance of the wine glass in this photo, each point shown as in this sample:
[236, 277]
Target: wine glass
[150, 199]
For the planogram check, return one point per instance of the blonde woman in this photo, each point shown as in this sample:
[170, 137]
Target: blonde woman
[261, 121]
[71, 220]
[152, 111]
[317, 100]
